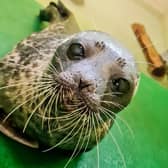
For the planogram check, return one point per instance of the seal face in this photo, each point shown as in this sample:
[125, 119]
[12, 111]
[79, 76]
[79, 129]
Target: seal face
[65, 91]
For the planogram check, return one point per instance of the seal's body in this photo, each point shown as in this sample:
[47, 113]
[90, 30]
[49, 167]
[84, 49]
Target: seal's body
[64, 90]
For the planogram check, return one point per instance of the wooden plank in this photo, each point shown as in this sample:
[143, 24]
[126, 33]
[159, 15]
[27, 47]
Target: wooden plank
[156, 64]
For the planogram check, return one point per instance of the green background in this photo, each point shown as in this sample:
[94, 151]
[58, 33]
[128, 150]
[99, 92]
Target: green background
[147, 114]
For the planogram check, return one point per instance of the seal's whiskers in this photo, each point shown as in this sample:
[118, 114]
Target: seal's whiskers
[48, 91]
[97, 139]
[121, 119]
[90, 131]
[49, 104]
[110, 94]
[16, 84]
[67, 115]
[115, 141]
[30, 92]
[113, 103]
[78, 143]
[27, 100]
[20, 105]
[53, 69]
[66, 139]
[73, 116]
[85, 136]
[66, 126]
[107, 115]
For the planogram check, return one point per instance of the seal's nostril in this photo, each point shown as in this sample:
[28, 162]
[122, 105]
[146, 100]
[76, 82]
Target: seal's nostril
[84, 84]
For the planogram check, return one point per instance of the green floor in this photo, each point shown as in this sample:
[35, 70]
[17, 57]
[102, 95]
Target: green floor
[147, 115]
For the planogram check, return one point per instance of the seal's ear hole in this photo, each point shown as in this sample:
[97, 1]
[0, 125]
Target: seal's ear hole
[120, 85]
[76, 51]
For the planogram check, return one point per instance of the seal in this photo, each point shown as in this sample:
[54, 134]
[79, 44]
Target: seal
[63, 90]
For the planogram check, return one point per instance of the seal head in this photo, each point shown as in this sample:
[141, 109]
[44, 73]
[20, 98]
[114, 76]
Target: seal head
[94, 77]
[65, 91]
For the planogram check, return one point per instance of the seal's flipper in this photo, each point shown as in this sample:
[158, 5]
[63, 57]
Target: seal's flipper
[7, 129]
[63, 11]
[54, 12]
[61, 20]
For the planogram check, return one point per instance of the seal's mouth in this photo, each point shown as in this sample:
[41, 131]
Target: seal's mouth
[74, 95]
[72, 99]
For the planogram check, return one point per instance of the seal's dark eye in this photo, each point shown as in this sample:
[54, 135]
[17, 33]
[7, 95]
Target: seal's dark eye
[120, 85]
[75, 51]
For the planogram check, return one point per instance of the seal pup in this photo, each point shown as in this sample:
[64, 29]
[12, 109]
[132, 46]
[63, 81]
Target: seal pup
[63, 89]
